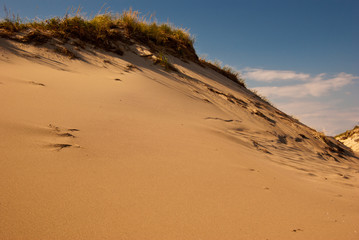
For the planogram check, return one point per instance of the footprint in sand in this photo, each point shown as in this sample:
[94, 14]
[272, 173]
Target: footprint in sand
[131, 67]
[260, 147]
[37, 83]
[61, 145]
[73, 130]
[66, 133]
[220, 119]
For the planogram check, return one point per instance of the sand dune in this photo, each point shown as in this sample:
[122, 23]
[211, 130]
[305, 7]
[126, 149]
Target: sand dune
[109, 147]
[350, 138]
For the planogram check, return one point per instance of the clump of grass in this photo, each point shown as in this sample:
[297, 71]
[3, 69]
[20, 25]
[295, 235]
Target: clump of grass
[11, 21]
[163, 61]
[224, 70]
[146, 30]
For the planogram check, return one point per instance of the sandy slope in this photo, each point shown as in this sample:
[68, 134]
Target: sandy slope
[157, 155]
[350, 139]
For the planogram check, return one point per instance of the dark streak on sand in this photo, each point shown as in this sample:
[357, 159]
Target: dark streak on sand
[66, 135]
[60, 146]
[224, 120]
[73, 129]
[38, 84]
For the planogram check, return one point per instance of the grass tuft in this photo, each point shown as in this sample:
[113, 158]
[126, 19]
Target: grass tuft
[163, 61]
[225, 70]
[264, 98]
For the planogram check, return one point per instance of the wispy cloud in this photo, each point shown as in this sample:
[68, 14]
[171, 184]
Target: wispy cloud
[306, 96]
[314, 86]
[328, 117]
[262, 75]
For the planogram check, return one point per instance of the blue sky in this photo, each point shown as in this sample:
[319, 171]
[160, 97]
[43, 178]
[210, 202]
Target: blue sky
[302, 54]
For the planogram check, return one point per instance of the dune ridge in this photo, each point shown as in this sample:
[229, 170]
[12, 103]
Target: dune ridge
[350, 138]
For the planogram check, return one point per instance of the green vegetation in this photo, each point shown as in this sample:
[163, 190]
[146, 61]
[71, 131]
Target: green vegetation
[105, 30]
[163, 61]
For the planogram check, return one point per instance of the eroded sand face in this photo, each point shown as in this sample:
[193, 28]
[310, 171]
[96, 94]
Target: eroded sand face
[96, 149]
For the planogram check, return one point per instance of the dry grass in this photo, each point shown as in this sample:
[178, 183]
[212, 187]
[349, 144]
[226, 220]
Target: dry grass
[347, 134]
[106, 30]
[264, 98]
[163, 61]
[65, 52]
[224, 70]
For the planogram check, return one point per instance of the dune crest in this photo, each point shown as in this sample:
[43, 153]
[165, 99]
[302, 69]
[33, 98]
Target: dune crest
[350, 138]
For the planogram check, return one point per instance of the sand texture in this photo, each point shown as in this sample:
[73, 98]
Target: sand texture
[109, 147]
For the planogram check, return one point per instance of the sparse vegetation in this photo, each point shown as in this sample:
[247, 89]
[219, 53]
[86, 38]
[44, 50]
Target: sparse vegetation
[264, 98]
[224, 70]
[65, 52]
[163, 61]
[348, 134]
[106, 30]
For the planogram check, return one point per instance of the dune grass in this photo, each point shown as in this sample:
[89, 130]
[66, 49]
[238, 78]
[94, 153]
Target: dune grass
[348, 133]
[224, 70]
[164, 62]
[104, 30]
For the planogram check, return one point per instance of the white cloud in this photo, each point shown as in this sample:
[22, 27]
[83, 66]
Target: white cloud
[302, 95]
[328, 117]
[315, 86]
[262, 75]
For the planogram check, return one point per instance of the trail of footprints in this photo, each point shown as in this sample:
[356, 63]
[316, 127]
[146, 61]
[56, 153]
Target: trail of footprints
[67, 136]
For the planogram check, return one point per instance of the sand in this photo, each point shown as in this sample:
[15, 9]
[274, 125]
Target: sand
[92, 148]
[350, 139]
